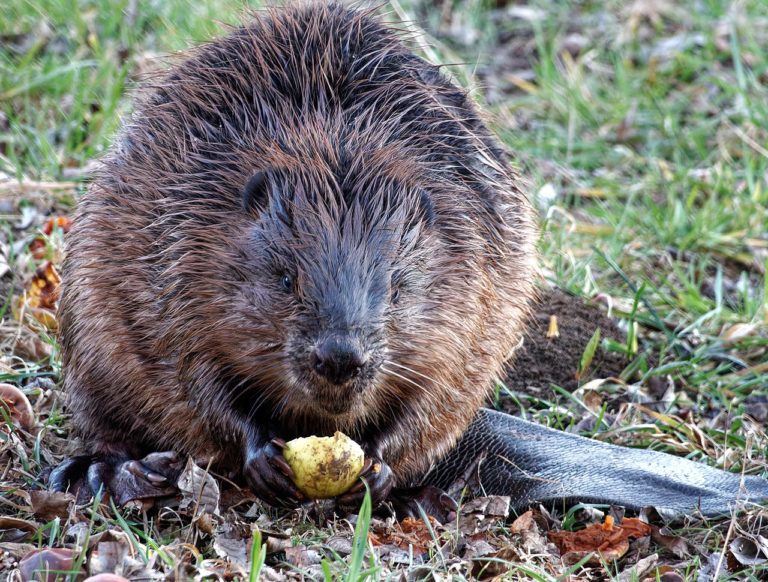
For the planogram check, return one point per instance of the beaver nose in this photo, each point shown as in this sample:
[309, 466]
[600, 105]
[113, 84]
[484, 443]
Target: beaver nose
[338, 358]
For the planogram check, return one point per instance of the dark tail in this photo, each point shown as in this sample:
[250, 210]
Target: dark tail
[503, 455]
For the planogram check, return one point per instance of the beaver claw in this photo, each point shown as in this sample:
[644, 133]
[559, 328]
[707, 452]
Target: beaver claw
[380, 480]
[427, 500]
[269, 475]
[125, 480]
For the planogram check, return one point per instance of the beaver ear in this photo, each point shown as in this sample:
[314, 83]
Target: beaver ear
[256, 192]
[426, 208]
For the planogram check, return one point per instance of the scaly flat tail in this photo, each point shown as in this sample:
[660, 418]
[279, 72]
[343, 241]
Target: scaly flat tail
[504, 455]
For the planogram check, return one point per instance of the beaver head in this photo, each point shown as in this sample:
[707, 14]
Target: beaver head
[311, 279]
[340, 258]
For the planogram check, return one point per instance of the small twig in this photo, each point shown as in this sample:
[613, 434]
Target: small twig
[742, 135]
[32, 185]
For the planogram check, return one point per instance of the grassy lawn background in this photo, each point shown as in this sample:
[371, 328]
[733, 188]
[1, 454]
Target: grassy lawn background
[643, 127]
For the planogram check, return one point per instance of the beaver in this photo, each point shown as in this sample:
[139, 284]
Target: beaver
[303, 228]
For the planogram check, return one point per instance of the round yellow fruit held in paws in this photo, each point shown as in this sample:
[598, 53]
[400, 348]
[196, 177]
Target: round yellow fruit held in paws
[324, 466]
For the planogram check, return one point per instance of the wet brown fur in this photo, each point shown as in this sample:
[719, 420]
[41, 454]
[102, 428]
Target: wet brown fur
[173, 323]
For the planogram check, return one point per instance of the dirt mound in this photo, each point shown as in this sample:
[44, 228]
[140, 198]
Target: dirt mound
[542, 362]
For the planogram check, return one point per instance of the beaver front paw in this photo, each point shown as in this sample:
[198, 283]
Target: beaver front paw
[124, 479]
[269, 475]
[380, 480]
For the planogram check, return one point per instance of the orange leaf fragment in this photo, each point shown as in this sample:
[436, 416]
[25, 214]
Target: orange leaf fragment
[44, 290]
[62, 222]
[37, 246]
[410, 532]
[41, 300]
[607, 540]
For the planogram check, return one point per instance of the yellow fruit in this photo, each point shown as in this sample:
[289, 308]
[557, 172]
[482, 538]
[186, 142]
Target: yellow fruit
[324, 466]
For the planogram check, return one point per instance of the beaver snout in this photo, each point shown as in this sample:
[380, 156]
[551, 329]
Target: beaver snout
[338, 358]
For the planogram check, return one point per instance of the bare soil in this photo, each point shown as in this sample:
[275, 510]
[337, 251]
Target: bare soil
[543, 362]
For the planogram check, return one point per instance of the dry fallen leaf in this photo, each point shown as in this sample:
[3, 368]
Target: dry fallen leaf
[41, 299]
[606, 540]
[640, 569]
[13, 529]
[11, 553]
[50, 504]
[44, 289]
[675, 544]
[213, 569]
[18, 406]
[38, 246]
[738, 331]
[524, 523]
[495, 564]
[48, 564]
[481, 514]
[528, 526]
[113, 554]
[199, 489]
[301, 556]
[232, 540]
[108, 555]
[748, 551]
[410, 532]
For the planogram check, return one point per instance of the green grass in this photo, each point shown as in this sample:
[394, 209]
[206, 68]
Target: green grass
[658, 157]
[69, 66]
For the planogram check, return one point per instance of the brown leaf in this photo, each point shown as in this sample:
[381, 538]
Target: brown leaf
[29, 346]
[524, 523]
[111, 553]
[223, 570]
[199, 489]
[528, 526]
[675, 544]
[341, 544]
[411, 532]
[50, 504]
[48, 564]
[481, 514]
[301, 556]
[638, 570]
[41, 299]
[44, 288]
[666, 574]
[606, 541]
[232, 541]
[475, 548]
[748, 552]
[738, 331]
[13, 529]
[11, 553]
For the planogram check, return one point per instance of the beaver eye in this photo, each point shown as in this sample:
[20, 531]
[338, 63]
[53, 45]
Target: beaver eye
[287, 282]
